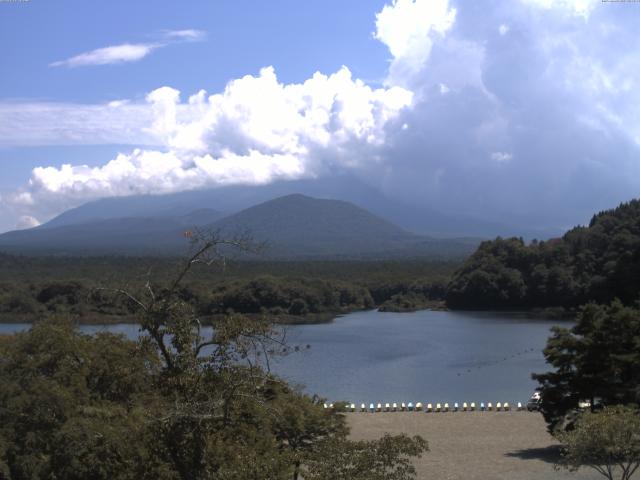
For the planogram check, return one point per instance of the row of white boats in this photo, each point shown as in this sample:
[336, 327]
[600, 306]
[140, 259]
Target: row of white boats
[438, 407]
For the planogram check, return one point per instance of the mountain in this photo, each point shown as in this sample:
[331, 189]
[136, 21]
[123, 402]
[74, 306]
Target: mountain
[293, 226]
[131, 235]
[232, 199]
[301, 226]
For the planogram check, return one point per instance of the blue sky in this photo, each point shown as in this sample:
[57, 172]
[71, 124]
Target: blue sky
[297, 38]
[524, 111]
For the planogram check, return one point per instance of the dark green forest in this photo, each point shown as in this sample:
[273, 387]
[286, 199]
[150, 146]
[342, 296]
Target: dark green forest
[85, 287]
[597, 263]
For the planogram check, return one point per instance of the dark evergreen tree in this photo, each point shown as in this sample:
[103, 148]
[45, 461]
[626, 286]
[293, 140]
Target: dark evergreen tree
[597, 360]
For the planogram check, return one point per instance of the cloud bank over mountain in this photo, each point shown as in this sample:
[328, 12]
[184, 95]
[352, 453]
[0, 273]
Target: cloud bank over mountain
[523, 111]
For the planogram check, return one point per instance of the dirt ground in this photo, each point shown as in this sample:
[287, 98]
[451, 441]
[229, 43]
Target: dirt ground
[474, 445]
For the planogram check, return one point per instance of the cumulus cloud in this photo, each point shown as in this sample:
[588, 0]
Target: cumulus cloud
[408, 28]
[553, 101]
[256, 131]
[127, 52]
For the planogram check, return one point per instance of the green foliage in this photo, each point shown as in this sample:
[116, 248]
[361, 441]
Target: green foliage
[607, 441]
[387, 458]
[598, 358]
[268, 294]
[172, 405]
[298, 291]
[595, 263]
[68, 397]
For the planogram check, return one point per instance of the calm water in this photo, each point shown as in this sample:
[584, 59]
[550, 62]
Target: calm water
[423, 356]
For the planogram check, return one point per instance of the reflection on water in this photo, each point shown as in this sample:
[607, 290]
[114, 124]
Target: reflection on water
[422, 356]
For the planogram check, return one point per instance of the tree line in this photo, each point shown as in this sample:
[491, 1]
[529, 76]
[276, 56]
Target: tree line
[596, 263]
[286, 291]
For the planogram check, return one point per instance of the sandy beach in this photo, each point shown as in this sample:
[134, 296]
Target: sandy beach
[474, 445]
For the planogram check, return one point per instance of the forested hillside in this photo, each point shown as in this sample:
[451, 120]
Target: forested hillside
[595, 263]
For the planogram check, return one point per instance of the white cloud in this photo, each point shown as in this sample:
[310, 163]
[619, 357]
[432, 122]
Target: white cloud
[503, 29]
[582, 8]
[256, 131]
[127, 52]
[407, 28]
[26, 221]
[188, 34]
[118, 103]
[118, 122]
[501, 157]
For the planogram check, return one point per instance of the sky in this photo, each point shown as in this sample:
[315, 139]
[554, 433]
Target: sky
[522, 111]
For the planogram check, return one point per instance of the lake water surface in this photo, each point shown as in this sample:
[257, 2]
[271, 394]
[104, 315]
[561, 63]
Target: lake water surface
[401, 357]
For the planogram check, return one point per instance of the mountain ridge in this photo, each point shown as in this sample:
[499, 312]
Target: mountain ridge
[233, 198]
[294, 225]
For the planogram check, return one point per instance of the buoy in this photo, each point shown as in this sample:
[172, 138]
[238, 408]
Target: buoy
[326, 406]
[379, 407]
[387, 407]
[498, 406]
[395, 407]
[363, 408]
[438, 407]
[429, 408]
[418, 406]
[473, 406]
[519, 406]
[372, 408]
[455, 407]
[410, 407]
[506, 406]
[403, 407]
[482, 406]
[446, 407]
[331, 405]
[464, 406]
[353, 407]
[489, 406]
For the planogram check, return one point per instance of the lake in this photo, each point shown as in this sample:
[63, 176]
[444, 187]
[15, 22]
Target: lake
[422, 356]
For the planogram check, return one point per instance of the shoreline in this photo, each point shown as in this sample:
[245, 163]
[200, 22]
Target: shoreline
[310, 319]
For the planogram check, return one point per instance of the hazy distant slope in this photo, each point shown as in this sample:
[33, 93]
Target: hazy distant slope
[231, 199]
[158, 235]
[294, 226]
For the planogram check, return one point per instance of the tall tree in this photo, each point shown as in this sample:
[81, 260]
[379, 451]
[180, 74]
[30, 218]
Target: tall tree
[597, 359]
[606, 441]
